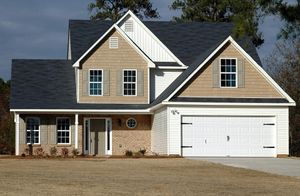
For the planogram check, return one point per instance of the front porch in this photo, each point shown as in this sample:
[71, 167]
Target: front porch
[90, 134]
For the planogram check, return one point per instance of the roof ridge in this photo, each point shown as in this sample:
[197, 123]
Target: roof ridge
[154, 21]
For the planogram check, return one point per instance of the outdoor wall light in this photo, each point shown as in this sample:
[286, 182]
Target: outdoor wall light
[119, 122]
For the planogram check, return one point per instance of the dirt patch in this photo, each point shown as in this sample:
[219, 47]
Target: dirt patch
[136, 177]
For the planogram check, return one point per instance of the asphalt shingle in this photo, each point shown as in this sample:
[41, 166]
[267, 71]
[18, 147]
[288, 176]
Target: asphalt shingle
[50, 84]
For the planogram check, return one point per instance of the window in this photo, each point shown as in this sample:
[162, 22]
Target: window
[129, 82]
[131, 123]
[63, 130]
[95, 82]
[129, 26]
[228, 73]
[33, 131]
[113, 42]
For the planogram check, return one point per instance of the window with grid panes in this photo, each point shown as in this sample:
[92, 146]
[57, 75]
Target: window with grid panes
[228, 73]
[95, 82]
[32, 130]
[63, 131]
[129, 82]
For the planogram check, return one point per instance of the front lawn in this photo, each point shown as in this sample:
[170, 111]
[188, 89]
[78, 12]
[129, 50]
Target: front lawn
[136, 176]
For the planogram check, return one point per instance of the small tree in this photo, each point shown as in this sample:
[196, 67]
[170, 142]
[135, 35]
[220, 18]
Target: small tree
[115, 9]
[244, 13]
[284, 66]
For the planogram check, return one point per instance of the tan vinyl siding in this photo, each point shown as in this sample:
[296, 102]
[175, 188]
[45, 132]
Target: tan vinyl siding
[113, 60]
[255, 85]
[48, 133]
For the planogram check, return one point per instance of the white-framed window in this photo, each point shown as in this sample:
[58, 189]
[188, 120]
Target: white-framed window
[63, 128]
[129, 26]
[129, 82]
[228, 73]
[131, 123]
[33, 130]
[95, 82]
[113, 42]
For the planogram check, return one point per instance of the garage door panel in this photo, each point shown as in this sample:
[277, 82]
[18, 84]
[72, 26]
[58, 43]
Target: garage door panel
[229, 136]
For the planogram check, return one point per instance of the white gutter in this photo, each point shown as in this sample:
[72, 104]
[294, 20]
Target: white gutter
[144, 111]
[226, 104]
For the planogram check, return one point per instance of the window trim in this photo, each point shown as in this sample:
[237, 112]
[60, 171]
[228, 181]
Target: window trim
[39, 119]
[113, 37]
[70, 131]
[236, 72]
[131, 118]
[89, 77]
[136, 82]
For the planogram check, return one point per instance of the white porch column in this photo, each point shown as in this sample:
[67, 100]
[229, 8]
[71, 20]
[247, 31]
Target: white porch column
[17, 134]
[76, 131]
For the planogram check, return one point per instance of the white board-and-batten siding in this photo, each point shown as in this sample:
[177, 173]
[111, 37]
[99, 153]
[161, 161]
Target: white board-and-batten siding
[175, 114]
[147, 43]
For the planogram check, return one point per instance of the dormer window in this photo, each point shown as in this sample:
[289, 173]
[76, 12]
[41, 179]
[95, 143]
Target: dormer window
[129, 26]
[113, 42]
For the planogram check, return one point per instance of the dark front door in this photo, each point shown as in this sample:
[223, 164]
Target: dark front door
[97, 137]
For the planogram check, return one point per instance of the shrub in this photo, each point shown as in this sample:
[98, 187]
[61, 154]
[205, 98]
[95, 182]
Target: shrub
[39, 152]
[53, 151]
[64, 152]
[26, 151]
[137, 154]
[128, 153]
[75, 152]
[142, 151]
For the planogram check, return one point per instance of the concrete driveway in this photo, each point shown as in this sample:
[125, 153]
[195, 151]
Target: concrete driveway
[281, 166]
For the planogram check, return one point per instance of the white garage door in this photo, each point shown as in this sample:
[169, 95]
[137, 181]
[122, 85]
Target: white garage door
[228, 136]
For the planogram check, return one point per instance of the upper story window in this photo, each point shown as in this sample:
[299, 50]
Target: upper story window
[228, 73]
[95, 82]
[63, 130]
[129, 82]
[33, 131]
[129, 26]
[113, 42]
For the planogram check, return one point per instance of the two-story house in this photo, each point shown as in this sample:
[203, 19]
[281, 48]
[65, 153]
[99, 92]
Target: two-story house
[188, 89]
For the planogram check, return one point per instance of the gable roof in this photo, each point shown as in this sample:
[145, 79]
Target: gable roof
[124, 36]
[192, 43]
[187, 41]
[181, 80]
[84, 33]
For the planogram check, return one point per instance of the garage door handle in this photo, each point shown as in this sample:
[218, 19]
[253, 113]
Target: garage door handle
[228, 138]
[186, 146]
[269, 147]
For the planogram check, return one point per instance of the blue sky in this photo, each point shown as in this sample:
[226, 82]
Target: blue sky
[38, 28]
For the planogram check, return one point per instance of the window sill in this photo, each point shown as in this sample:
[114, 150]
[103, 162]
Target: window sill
[64, 145]
[35, 145]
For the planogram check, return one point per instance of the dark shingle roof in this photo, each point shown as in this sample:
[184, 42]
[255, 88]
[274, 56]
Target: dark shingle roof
[84, 33]
[186, 40]
[50, 84]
